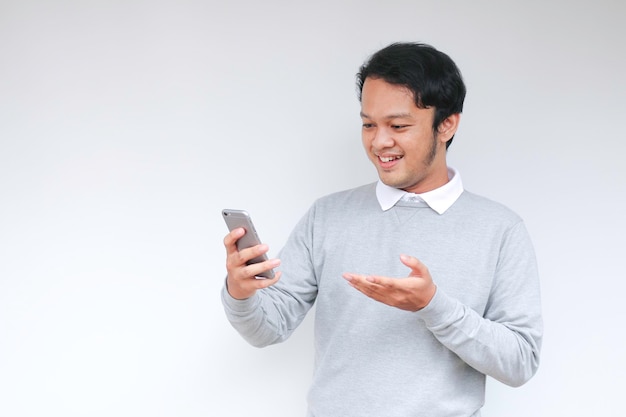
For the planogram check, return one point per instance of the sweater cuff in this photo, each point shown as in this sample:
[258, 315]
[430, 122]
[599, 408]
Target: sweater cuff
[236, 306]
[440, 309]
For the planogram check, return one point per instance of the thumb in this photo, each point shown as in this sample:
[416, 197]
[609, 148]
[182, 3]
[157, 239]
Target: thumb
[418, 269]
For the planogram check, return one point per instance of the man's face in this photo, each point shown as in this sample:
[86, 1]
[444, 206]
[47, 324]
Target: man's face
[399, 138]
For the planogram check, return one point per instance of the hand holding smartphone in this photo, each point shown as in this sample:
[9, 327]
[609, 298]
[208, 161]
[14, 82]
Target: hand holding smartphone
[241, 218]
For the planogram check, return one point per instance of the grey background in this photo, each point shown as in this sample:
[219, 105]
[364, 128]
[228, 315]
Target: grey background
[126, 126]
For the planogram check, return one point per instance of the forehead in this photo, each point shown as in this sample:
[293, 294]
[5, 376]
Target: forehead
[382, 99]
[377, 87]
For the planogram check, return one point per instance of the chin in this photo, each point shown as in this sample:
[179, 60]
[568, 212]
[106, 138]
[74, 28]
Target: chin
[391, 183]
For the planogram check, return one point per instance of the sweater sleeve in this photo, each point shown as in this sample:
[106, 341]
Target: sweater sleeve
[273, 313]
[505, 341]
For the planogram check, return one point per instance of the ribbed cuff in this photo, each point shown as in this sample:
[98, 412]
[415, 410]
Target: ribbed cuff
[439, 311]
[235, 305]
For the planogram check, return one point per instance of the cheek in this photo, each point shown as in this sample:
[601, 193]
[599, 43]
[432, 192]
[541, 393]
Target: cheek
[418, 144]
[366, 141]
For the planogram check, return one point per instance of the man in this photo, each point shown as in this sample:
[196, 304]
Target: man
[388, 344]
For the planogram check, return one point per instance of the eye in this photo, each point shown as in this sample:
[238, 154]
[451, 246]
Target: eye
[398, 127]
[368, 125]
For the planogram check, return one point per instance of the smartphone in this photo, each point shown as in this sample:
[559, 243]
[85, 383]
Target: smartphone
[241, 218]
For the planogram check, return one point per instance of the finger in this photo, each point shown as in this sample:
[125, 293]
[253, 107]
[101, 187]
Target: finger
[254, 252]
[256, 269]
[230, 240]
[353, 279]
[367, 284]
[239, 260]
[417, 267]
[246, 287]
[380, 280]
[236, 257]
[264, 283]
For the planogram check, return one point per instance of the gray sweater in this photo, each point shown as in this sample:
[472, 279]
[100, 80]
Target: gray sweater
[376, 360]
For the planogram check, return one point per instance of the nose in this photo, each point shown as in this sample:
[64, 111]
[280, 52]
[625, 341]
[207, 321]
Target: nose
[382, 138]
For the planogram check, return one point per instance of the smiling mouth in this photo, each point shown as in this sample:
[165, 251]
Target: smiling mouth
[389, 158]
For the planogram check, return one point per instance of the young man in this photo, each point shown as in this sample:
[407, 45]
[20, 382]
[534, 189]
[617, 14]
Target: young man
[421, 288]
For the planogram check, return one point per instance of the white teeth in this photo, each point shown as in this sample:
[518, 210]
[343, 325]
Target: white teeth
[388, 158]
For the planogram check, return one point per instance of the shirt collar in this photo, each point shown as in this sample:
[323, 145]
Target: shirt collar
[440, 199]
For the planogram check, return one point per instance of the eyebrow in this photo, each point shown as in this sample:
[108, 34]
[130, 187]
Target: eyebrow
[391, 116]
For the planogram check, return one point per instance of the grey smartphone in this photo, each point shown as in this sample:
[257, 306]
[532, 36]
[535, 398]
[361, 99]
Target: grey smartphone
[241, 218]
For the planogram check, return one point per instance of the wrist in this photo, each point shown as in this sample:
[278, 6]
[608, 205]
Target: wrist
[237, 292]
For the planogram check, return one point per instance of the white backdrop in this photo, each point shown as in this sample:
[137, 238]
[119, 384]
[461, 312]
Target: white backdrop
[125, 126]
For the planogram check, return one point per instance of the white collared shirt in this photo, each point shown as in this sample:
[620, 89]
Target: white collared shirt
[440, 199]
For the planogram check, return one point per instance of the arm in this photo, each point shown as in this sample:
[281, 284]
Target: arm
[239, 298]
[505, 341]
[267, 311]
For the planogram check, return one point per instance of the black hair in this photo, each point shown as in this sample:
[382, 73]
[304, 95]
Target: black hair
[431, 75]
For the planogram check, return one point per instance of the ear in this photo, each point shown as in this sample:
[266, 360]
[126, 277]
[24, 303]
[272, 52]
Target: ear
[448, 127]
